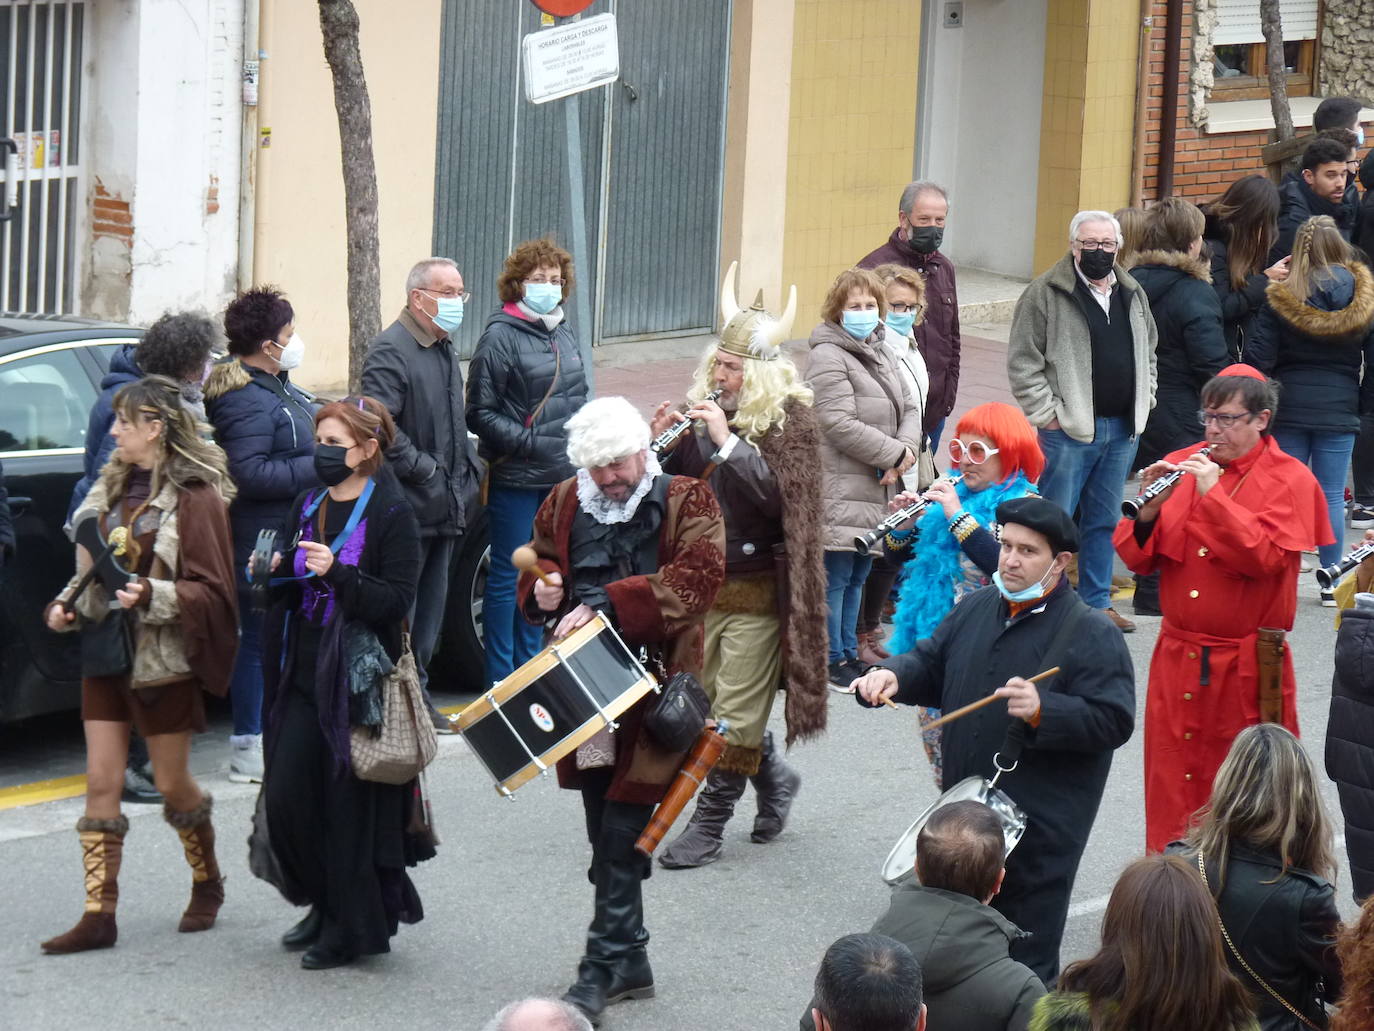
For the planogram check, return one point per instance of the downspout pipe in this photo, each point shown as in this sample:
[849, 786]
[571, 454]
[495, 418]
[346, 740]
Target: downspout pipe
[248, 141]
[1168, 125]
[1142, 109]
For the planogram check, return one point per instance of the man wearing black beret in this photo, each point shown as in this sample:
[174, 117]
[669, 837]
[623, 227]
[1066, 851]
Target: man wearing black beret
[1065, 728]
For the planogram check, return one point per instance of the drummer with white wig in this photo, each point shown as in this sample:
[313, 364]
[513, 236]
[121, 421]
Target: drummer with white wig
[647, 551]
[1065, 728]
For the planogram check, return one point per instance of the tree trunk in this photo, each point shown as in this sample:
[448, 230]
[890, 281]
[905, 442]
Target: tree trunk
[339, 24]
[1271, 22]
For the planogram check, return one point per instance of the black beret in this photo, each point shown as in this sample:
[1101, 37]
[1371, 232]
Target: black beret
[1044, 517]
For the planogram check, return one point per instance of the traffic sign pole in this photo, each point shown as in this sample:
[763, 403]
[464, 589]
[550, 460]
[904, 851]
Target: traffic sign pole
[577, 213]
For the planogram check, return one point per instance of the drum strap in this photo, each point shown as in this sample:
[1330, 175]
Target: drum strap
[1015, 739]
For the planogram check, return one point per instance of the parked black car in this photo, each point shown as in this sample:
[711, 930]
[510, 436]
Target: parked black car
[50, 372]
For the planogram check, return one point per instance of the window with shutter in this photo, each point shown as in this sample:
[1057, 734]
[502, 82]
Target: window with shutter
[1238, 48]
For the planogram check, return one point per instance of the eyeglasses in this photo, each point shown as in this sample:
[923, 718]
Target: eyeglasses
[975, 450]
[449, 295]
[1224, 421]
[902, 309]
[1097, 245]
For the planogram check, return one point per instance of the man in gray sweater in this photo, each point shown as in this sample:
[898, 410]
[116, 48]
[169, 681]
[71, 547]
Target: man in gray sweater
[961, 943]
[1081, 362]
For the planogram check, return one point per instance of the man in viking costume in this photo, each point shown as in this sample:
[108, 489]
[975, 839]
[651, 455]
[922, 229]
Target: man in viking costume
[758, 444]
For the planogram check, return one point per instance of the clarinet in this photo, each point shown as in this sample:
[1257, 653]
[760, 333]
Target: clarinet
[669, 437]
[1131, 509]
[1327, 577]
[863, 545]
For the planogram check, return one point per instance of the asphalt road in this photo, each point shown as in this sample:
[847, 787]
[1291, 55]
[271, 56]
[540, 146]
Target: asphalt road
[735, 945]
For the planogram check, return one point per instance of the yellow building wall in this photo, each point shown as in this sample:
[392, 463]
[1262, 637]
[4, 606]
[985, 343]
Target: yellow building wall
[1087, 117]
[851, 139]
[299, 243]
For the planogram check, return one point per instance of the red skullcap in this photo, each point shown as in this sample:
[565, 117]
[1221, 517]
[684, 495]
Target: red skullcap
[1241, 369]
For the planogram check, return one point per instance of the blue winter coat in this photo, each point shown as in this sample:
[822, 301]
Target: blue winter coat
[266, 426]
[99, 444]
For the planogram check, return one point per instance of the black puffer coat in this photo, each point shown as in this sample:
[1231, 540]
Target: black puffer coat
[518, 363]
[1350, 742]
[1315, 349]
[1364, 232]
[1191, 348]
[1284, 925]
[266, 426]
[1238, 307]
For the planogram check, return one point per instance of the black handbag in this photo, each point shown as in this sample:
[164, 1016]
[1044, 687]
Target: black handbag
[677, 716]
[107, 647]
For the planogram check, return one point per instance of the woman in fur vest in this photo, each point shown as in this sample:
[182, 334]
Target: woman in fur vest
[1314, 338]
[348, 569]
[180, 611]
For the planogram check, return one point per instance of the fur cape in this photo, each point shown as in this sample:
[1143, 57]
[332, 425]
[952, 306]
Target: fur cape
[1354, 320]
[794, 456]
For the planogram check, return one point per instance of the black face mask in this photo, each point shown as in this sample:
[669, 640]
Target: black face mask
[331, 464]
[1096, 265]
[926, 239]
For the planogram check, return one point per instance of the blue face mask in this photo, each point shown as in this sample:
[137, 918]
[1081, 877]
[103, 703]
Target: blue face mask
[542, 297]
[1034, 592]
[449, 314]
[859, 324]
[900, 322]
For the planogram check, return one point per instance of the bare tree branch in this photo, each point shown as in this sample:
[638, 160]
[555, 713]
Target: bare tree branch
[339, 25]
[1271, 23]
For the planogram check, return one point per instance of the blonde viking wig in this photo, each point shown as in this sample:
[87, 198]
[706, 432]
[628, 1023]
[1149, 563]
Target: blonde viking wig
[1265, 797]
[184, 456]
[768, 385]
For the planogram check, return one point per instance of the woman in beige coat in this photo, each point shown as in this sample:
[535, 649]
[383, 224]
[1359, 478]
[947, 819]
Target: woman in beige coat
[871, 431]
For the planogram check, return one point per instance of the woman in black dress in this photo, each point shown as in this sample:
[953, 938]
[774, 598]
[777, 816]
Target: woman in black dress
[346, 574]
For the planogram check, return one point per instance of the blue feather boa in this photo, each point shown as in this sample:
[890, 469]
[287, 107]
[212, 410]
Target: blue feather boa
[931, 577]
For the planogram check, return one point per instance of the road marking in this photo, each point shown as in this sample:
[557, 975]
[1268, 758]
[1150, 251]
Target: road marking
[42, 791]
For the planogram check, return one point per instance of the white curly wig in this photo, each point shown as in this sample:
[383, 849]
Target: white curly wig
[604, 431]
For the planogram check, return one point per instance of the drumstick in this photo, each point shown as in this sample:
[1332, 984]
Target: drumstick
[526, 559]
[966, 709]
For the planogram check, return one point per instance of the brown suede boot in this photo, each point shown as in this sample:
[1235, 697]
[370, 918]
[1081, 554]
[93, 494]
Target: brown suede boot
[197, 835]
[102, 848]
[871, 651]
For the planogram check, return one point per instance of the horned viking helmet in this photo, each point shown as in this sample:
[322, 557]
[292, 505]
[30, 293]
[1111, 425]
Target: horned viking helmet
[753, 332]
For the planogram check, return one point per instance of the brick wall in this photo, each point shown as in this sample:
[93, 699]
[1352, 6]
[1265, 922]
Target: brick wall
[110, 215]
[1204, 164]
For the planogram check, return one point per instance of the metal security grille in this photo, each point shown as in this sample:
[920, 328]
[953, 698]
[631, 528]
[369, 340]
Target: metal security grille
[40, 110]
[652, 146]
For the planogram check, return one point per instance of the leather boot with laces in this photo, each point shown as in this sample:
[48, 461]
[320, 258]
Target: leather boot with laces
[197, 835]
[102, 849]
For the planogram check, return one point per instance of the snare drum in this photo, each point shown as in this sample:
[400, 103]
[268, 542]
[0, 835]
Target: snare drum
[554, 703]
[901, 861]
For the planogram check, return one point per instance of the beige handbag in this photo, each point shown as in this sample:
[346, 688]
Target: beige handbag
[406, 742]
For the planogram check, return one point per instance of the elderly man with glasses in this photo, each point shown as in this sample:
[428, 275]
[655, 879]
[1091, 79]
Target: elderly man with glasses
[1081, 362]
[1226, 539]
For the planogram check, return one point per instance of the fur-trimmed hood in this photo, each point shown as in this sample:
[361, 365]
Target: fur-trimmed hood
[225, 377]
[1195, 267]
[794, 457]
[1336, 311]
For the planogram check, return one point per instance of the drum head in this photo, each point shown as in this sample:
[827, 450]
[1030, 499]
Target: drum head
[901, 861]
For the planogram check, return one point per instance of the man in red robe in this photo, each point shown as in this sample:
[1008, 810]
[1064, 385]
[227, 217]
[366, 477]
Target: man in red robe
[1227, 540]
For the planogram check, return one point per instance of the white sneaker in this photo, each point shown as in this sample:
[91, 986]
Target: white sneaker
[245, 758]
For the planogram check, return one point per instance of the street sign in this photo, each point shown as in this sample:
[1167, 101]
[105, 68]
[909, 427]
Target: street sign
[563, 8]
[573, 57]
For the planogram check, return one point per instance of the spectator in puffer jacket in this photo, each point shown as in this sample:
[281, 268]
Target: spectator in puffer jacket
[179, 346]
[413, 369]
[266, 426]
[1364, 240]
[525, 381]
[1350, 729]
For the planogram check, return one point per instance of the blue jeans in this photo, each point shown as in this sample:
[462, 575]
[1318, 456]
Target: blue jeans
[245, 686]
[845, 573]
[511, 640]
[1089, 478]
[936, 432]
[1328, 455]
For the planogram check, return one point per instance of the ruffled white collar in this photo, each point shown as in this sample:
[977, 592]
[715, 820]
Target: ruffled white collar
[603, 509]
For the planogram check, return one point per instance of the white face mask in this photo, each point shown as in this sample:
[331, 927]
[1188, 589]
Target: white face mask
[293, 353]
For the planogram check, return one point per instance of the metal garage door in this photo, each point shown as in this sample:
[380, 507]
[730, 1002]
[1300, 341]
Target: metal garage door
[653, 147]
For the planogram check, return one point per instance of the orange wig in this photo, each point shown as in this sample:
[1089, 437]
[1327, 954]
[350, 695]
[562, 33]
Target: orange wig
[1010, 433]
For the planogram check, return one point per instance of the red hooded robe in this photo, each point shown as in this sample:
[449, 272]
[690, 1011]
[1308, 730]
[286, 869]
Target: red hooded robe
[1228, 563]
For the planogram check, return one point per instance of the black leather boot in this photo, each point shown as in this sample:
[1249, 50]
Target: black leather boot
[776, 784]
[1146, 601]
[701, 842]
[305, 933]
[616, 963]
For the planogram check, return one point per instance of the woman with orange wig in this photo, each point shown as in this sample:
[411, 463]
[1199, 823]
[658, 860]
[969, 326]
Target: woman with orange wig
[996, 452]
